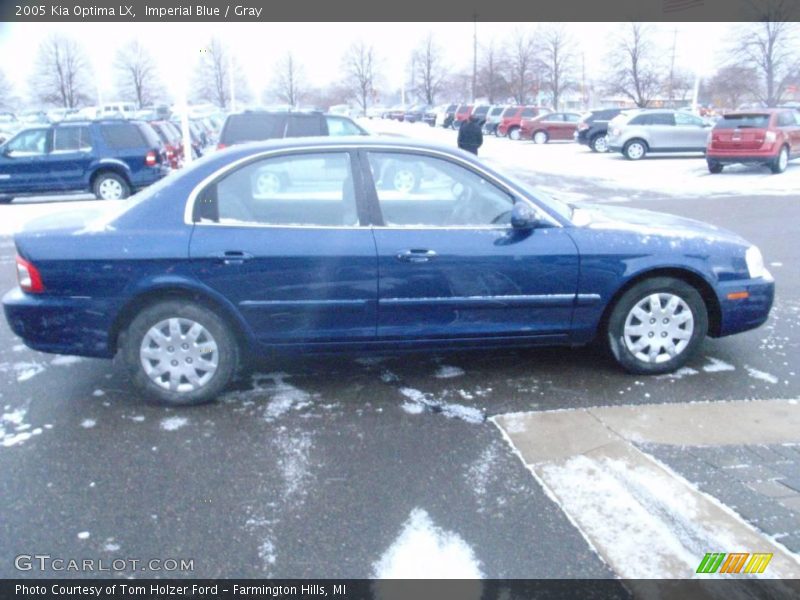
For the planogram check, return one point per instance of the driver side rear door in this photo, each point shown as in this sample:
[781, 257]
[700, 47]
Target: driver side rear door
[450, 266]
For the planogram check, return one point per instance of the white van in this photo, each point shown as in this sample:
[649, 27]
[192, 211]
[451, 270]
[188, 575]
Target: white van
[116, 109]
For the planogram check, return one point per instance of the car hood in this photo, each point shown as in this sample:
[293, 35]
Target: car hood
[647, 222]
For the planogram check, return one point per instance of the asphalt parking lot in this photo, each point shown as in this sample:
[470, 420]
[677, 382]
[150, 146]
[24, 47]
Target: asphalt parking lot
[329, 465]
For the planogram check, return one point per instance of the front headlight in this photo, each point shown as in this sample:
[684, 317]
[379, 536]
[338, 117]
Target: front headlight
[755, 263]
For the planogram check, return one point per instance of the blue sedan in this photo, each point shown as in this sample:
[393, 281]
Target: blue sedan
[369, 244]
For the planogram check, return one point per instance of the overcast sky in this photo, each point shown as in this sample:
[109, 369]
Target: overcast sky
[319, 46]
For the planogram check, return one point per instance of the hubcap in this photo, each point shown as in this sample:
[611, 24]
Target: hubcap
[404, 180]
[783, 159]
[658, 328]
[540, 138]
[179, 355]
[267, 183]
[635, 150]
[601, 143]
[110, 189]
[514, 134]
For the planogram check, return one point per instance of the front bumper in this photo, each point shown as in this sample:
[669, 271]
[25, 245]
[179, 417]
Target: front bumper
[71, 325]
[746, 313]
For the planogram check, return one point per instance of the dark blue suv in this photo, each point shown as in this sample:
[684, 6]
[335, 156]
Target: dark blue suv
[111, 158]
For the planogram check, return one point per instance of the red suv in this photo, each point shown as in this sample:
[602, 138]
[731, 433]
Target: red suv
[550, 126]
[512, 119]
[770, 136]
[462, 114]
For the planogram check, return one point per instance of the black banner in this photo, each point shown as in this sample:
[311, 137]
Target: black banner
[408, 10]
[290, 589]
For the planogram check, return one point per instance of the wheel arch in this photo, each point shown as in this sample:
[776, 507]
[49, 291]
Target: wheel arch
[116, 169]
[175, 291]
[693, 278]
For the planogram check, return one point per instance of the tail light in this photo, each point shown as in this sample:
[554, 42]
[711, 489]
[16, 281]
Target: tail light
[28, 276]
[151, 158]
[770, 137]
[220, 146]
[582, 126]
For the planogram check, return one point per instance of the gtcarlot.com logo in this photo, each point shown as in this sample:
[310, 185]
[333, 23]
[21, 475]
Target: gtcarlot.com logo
[46, 562]
[733, 563]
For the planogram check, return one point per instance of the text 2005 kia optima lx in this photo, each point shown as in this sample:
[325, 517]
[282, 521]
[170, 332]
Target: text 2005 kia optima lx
[361, 244]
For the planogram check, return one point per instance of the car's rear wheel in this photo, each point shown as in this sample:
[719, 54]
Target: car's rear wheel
[779, 164]
[657, 325]
[180, 353]
[110, 186]
[540, 137]
[513, 133]
[714, 166]
[634, 150]
[599, 143]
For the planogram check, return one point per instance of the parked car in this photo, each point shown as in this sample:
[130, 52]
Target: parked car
[462, 114]
[116, 109]
[171, 138]
[592, 129]
[111, 158]
[480, 112]
[638, 132]
[493, 118]
[249, 126]
[375, 112]
[767, 136]
[429, 116]
[416, 113]
[208, 268]
[549, 126]
[396, 113]
[446, 116]
[512, 119]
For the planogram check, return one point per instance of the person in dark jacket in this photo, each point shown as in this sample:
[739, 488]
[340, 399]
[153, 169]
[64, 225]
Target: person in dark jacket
[470, 136]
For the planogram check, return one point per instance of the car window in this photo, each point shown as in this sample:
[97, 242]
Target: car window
[682, 118]
[122, 135]
[71, 139]
[296, 190]
[786, 119]
[572, 118]
[528, 112]
[300, 125]
[28, 143]
[558, 117]
[424, 191]
[654, 119]
[510, 111]
[342, 126]
[252, 127]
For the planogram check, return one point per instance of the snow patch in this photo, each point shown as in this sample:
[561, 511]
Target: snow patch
[448, 372]
[173, 423]
[84, 535]
[761, 375]
[27, 370]
[62, 360]
[266, 552]
[111, 547]
[458, 411]
[98, 393]
[13, 428]
[679, 374]
[717, 366]
[88, 423]
[425, 551]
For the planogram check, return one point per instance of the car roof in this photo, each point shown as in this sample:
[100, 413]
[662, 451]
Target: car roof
[355, 141]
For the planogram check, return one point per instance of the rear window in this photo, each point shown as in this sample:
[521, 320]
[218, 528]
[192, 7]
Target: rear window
[450, 108]
[481, 110]
[251, 128]
[304, 125]
[748, 121]
[122, 135]
[496, 111]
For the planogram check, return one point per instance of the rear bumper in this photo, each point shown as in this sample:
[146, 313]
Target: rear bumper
[741, 156]
[77, 326]
[748, 313]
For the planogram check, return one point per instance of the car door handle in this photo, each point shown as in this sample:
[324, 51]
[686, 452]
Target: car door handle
[232, 257]
[416, 256]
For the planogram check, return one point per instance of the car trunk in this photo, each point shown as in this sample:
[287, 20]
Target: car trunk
[740, 132]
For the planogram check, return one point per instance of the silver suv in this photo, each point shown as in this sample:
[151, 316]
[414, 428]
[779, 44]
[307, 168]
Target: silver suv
[637, 132]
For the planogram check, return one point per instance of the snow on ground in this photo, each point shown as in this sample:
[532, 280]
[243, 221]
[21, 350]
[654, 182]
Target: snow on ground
[425, 551]
[681, 175]
[448, 372]
[281, 397]
[716, 365]
[418, 401]
[173, 423]
[88, 423]
[761, 375]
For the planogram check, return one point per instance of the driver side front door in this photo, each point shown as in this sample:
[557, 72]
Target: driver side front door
[450, 265]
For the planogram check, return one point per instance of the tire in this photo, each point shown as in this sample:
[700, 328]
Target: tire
[634, 313]
[540, 137]
[634, 149]
[714, 166]
[599, 143]
[779, 164]
[110, 186]
[139, 348]
[6, 199]
[497, 133]
[513, 133]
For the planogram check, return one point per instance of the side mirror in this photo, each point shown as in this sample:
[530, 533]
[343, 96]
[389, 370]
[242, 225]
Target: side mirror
[523, 216]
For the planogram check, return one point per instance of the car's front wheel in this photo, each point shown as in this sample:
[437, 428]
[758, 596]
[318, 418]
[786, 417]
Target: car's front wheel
[634, 150]
[180, 353]
[110, 186]
[657, 325]
[540, 137]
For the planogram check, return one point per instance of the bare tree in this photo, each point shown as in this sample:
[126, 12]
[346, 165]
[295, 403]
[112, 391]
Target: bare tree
[520, 65]
[558, 62]
[491, 80]
[634, 71]
[137, 74]
[359, 65]
[429, 69]
[288, 81]
[213, 74]
[771, 49]
[725, 87]
[7, 98]
[61, 74]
